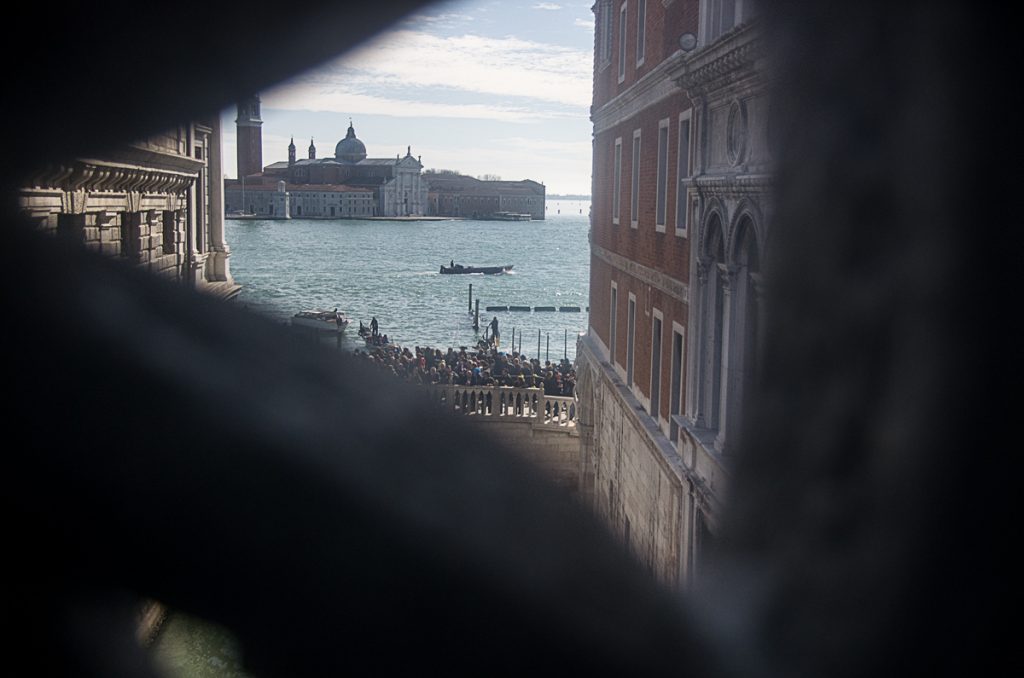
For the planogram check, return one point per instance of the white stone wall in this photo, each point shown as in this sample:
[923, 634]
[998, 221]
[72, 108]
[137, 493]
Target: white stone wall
[635, 477]
[555, 452]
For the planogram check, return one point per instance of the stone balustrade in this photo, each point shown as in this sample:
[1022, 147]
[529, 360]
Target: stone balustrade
[506, 403]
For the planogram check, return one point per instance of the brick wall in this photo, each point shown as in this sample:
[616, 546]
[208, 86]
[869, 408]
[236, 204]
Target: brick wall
[664, 25]
[663, 251]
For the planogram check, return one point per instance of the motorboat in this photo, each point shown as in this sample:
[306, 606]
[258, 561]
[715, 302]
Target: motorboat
[459, 268]
[325, 321]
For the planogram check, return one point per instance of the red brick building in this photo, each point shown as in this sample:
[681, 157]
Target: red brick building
[457, 195]
[678, 213]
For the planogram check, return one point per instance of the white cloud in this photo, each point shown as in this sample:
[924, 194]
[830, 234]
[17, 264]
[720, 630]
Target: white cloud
[303, 96]
[437, 20]
[507, 67]
[547, 5]
[585, 23]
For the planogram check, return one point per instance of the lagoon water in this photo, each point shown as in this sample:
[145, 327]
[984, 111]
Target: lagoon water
[389, 269]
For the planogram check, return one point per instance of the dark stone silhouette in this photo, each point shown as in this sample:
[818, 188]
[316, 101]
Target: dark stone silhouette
[161, 444]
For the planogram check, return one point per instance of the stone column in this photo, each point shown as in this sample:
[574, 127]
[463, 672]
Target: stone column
[219, 251]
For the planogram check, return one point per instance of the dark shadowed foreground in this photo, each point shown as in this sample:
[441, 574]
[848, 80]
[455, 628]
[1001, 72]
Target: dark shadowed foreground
[166, 445]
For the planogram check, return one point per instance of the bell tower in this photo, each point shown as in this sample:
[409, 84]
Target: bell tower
[249, 127]
[312, 150]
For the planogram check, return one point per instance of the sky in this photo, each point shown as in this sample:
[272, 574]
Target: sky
[498, 87]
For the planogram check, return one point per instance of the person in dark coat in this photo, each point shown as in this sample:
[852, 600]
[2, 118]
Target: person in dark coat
[494, 331]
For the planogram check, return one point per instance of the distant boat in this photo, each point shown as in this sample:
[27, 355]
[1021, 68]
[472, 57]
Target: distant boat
[459, 268]
[326, 321]
[512, 216]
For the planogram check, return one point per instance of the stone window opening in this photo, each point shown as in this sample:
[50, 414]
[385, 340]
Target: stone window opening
[656, 333]
[641, 29]
[661, 202]
[634, 197]
[683, 171]
[613, 324]
[131, 234]
[617, 189]
[622, 42]
[675, 405]
[630, 338]
[170, 232]
[744, 331]
[711, 288]
[729, 320]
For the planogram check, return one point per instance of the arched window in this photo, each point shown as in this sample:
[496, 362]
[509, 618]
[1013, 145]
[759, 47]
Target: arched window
[711, 271]
[741, 343]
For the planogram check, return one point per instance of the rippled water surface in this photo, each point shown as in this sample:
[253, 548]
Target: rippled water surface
[389, 269]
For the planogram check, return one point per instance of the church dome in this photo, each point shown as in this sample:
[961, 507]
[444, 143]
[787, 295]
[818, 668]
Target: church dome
[350, 149]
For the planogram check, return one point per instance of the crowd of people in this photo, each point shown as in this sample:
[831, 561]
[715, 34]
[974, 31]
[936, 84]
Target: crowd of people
[483, 366]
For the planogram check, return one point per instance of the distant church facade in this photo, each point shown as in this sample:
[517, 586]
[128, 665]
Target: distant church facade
[346, 185]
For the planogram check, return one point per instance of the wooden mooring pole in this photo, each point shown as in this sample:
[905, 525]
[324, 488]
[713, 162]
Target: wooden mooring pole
[471, 298]
[565, 353]
[538, 344]
[547, 346]
[476, 316]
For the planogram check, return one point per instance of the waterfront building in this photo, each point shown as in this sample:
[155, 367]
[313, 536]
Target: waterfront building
[456, 195]
[395, 185]
[158, 203]
[679, 212]
[307, 201]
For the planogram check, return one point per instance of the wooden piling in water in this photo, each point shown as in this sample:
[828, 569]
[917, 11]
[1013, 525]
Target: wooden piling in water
[471, 298]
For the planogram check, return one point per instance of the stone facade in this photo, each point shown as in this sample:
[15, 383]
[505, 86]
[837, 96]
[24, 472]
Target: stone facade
[457, 195]
[285, 201]
[679, 151]
[154, 203]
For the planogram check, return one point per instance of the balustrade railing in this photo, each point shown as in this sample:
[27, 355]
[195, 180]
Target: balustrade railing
[505, 401]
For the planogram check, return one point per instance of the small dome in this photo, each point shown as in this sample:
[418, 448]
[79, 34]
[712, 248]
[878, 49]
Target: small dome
[350, 149]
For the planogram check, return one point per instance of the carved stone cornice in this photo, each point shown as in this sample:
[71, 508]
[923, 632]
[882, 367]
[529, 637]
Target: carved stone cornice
[734, 56]
[653, 277]
[732, 184]
[95, 176]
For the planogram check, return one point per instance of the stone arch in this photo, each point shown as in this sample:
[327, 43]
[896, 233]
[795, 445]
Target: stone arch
[714, 209]
[745, 248]
[746, 230]
[713, 237]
